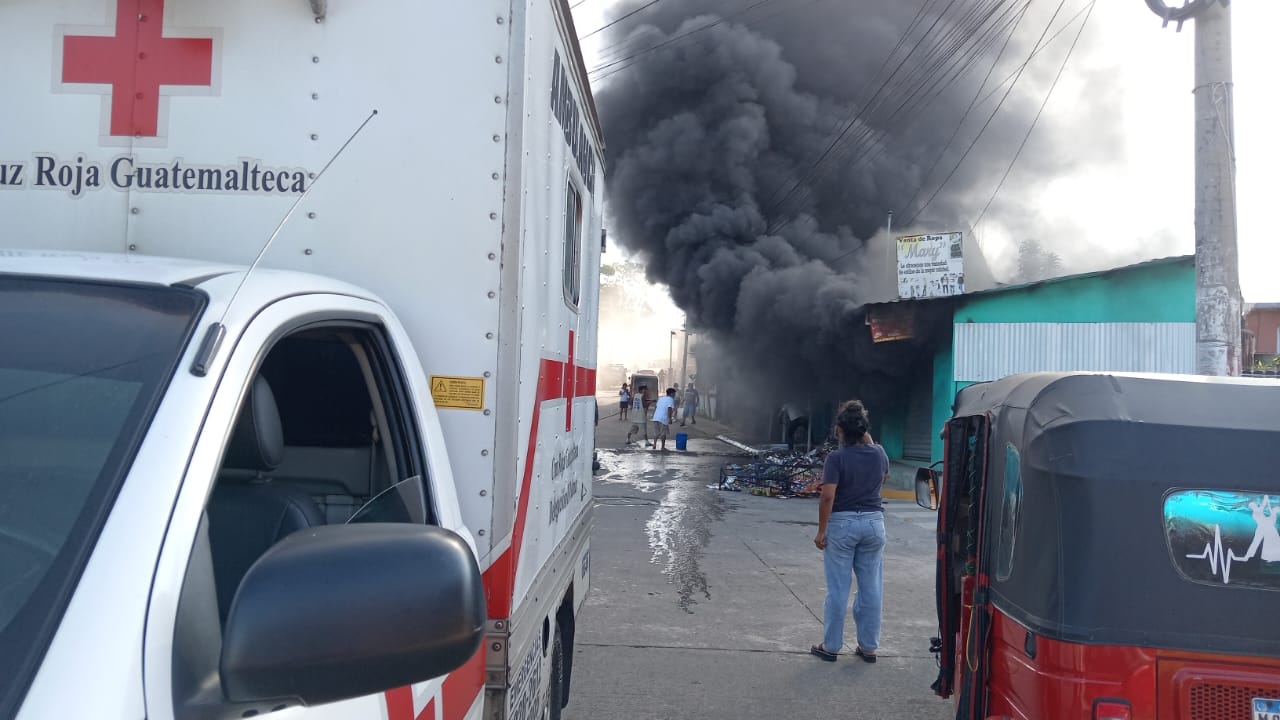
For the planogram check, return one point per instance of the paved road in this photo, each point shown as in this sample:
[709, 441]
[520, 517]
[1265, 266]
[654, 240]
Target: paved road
[704, 603]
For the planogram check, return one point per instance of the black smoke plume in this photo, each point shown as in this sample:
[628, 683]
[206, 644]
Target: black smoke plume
[711, 143]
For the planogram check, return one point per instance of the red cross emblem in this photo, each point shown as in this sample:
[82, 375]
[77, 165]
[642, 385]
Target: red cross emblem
[136, 62]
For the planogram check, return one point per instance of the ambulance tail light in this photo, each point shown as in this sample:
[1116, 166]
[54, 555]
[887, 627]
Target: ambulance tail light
[1112, 710]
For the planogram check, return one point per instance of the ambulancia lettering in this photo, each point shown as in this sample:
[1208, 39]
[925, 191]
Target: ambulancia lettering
[565, 107]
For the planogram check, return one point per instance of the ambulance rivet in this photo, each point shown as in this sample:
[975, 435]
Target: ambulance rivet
[492, 256]
[133, 248]
[497, 99]
[488, 374]
[311, 215]
[488, 412]
[315, 58]
[315, 136]
[311, 175]
[484, 453]
[493, 216]
[139, 96]
[488, 336]
[319, 20]
[307, 251]
[501, 20]
[482, 533]
[135, 211]
[315, 96]
[497, 138]
[498, 59]
[142, 56]
[492, 295]
[484, 493]
[495, 176]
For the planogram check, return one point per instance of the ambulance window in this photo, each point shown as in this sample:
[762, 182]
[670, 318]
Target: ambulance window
[572, 245]
[83, 367]
[326, 435]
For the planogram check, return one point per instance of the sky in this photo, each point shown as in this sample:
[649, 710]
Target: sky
[1148, 194]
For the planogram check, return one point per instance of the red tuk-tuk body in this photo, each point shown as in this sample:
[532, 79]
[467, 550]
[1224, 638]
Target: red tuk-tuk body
[1109, 547]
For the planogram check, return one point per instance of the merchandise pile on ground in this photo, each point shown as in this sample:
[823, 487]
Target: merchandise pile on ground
[780, 474]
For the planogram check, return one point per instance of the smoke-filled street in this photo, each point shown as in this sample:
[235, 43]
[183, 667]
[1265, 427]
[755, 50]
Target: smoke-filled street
[704, 603]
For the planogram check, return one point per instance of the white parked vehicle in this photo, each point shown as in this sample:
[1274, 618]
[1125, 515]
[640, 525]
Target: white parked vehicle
[297, 347]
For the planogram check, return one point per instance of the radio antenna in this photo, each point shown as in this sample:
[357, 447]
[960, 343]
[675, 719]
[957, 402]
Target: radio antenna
[215, 333]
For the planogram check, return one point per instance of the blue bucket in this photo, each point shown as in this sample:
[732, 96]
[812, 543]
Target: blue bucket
[682, 441]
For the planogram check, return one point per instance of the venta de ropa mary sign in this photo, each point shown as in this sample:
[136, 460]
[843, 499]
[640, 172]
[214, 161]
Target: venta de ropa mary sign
[138, 66]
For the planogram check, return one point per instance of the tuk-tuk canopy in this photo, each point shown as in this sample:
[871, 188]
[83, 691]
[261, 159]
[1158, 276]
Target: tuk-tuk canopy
[1134, 509]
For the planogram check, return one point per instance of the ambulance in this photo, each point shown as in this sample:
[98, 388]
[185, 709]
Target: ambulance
[298, 325]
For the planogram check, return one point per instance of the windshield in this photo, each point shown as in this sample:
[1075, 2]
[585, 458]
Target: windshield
[82, 366]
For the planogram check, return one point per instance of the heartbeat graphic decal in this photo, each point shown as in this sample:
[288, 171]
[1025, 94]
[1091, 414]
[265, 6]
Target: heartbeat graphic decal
[1225, 538]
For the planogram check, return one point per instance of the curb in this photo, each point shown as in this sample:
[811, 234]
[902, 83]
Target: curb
[893, 494]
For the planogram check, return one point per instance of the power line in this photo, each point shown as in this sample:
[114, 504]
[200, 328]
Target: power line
[990, 118]
[946, 58]
[866, 147]
[598, 71]
[871, 151]
[1036, 119]
[630, 46]
[972, 103]
[863, 101]
[610, 24]
[858, 113]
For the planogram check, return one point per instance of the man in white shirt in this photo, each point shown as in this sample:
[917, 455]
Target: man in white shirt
[663, 416]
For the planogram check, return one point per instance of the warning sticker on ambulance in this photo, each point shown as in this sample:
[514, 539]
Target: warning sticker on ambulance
[463, 393]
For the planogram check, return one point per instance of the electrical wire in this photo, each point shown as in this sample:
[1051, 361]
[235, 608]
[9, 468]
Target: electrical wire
[972, 104]
[943, 59]
[599, 73]
[615, 21]
[858, 113]
[862, 102]
[868, 148]
[990, 118]
[1039, 112]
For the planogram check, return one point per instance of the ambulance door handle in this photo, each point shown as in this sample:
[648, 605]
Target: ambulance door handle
[1029, 645]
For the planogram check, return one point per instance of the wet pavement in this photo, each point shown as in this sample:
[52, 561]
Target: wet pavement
[704, 603]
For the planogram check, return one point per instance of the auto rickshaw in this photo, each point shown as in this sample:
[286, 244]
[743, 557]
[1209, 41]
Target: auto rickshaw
[1108, 548]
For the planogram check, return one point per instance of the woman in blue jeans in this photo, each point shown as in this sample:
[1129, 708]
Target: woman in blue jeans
[851, 534]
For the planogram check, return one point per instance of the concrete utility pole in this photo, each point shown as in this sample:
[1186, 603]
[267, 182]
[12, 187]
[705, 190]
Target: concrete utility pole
[671, 371]
[1218, 301]
[684, 363]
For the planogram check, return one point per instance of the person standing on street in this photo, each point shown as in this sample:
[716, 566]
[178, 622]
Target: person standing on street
[646, 403]
[690, 405]
[663, 416]
[624, 398]
[851, 534]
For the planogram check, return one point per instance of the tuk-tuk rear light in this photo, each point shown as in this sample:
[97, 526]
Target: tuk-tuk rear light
[1112, 710]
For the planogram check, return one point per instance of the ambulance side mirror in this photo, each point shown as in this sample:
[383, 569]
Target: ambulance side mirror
[927, 488]
[340, 612]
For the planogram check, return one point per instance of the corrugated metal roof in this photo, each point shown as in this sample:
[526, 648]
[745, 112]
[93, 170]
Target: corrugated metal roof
[1176, 259]
[990, 351]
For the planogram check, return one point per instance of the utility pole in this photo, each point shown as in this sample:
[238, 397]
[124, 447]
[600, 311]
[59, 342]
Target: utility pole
[671, 371]
[684, 363]
[1218, 301]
